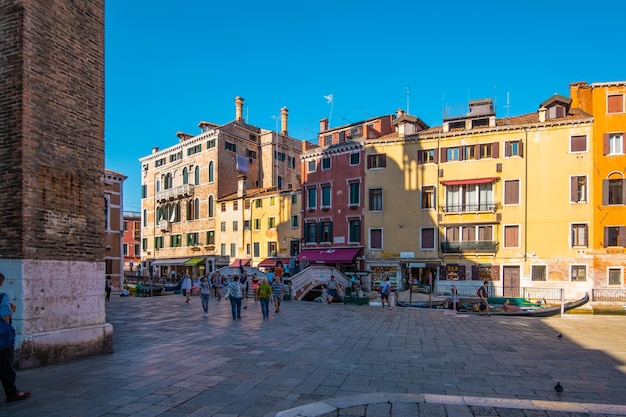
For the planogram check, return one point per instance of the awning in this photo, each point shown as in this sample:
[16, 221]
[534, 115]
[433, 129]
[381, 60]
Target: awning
[173, 262]
[244, 262]
[470, 181]
[193, 262]
[343, 255]
[271, 262]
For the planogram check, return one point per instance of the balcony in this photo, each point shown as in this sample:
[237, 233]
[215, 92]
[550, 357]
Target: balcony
[164, 226]
[175, 193]
[471, 208]
[470, 247]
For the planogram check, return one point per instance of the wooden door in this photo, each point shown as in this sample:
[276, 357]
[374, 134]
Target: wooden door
[511, 281]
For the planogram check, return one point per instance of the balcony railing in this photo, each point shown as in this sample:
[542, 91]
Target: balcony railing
[469, 247]
[174, 193]
[471, 208]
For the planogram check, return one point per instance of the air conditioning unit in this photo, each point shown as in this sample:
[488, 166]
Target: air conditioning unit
[164, 225]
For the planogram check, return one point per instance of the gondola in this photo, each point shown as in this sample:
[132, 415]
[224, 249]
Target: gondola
[526, 311]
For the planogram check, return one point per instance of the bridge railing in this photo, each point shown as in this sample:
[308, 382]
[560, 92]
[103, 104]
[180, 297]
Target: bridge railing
[313, 276]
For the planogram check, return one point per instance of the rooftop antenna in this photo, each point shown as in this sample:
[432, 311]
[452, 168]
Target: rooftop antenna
[331, 101]
[408, 99]
[507, 104]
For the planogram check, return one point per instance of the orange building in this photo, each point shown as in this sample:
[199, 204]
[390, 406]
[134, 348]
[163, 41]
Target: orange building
[132, 240]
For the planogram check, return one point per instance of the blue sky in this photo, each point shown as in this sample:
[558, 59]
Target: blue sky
[169, 65]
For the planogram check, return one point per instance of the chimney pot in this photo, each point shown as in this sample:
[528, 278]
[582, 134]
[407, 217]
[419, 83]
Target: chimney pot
[323, 125]
[542, 114]
[283, 120]
[239, 109]
[399, 112]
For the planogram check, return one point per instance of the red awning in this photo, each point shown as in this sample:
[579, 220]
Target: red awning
[471, 181]
[271, 262]
[244, 262]
[331, 256]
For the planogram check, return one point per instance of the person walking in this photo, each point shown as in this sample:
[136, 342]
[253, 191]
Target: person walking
[7, 370]
[235, 291]
[385, 289]
[264, 294]
[483, 293]
[108, 289]
[216, 282]
[255, 286]
[277, 293]
[186, 287]
[205, 293]
[332, 290]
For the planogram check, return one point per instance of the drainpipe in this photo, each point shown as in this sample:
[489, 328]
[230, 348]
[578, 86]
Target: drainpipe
[526, 195]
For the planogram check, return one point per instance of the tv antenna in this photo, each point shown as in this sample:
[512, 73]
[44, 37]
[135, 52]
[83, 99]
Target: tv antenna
[331, 101]
[408, 99]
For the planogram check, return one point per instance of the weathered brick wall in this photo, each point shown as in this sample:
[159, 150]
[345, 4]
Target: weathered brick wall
[52, 129]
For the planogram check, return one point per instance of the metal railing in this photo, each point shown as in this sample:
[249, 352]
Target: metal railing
[470, 247]
[608, 294]
[175, 192]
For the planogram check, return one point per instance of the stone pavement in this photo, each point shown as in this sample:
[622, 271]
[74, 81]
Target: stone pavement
[335, 360]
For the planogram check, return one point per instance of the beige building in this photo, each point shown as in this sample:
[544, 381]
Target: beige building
[484, 198]
[114, 227]
[183, 187]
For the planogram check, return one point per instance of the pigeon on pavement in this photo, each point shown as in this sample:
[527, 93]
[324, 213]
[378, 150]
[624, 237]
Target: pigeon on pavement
[560, 336]
[558, 388]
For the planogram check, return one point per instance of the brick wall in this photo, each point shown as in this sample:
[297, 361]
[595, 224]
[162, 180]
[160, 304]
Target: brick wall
[52, 129]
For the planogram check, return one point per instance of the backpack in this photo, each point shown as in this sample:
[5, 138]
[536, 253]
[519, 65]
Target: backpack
[7, 333]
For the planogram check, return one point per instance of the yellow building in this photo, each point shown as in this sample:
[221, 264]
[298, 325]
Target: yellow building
[484, 198]
[607, 103]
[182, 184]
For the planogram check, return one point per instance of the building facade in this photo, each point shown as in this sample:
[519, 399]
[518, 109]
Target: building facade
[132, 240]
[183, 187]
[114, 227]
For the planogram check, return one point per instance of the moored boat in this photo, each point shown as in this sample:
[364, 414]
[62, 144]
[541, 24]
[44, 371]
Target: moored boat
[523, 307]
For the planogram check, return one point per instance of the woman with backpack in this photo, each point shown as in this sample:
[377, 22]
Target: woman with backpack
[264, 293]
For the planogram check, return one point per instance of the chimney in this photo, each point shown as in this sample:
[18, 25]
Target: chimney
[241, 186]
[155, 149]
[323, 125]
[542, 114]
[239, 109]
[399, 112]
[283, 120]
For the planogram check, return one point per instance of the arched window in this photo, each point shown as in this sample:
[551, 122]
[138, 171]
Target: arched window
[168, 181]
[185, 176]
[158, 185]
[197, 175]
[211, 171]
[190, 210]
[145, 218]
[211, 207]
[196, 209]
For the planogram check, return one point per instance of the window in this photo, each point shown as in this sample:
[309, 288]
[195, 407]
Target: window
[615, 103]
[158, 242]
[223, 249]
[377, 161]
[125, 225]
[210, 144]
[256, 249]
[279, 182]
[159, 162]
[613, 191]
[223, 207]
[428, 197]
[210, 237]
[311, 166]
[452, 154]
[312, 198]
[250, 154]
[615, 236]
[294, 198]
[246, 204]
[272, 248]
[233, 250]
[192, 239]
[615, 276]
[280, 156]
[271, 223]
[211, 207]
[511, 236]
[235, 205]
[193, 209]
[469, 197]
[469, 152]
[579, 273]
[272, 201]
[355, 158]
[246, 225]
[326, 231]
[511, 192]
[223, 226]
[578, 143]
[235, 225]
[258, 203]
[513, 148]
[578, 189]
[428, 238]
[194, 150]
[294, 222]
[355, 194]
[580, 235]
[291, 162]
[614, 144]
[145, 218]
[538, 273]
[325, 196]
[376, 239]
[144, 243]
[310, 232]
[125, 249]
[325, 163]
[354, 231]
[230, 146]
[376, 199]
[248, 249]
[426, 156]
[257, 224]
[211, 171]
[137, 250]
